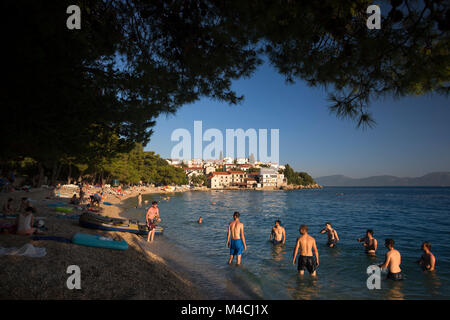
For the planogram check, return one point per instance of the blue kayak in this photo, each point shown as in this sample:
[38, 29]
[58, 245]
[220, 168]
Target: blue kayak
[98, 241]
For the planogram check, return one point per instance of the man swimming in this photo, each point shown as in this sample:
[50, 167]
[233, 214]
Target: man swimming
[392, 261]
[237, 245]
[152, 217]
[278, 233]
[332, 235]
[306, 244]
[427, 261]
[370, 243]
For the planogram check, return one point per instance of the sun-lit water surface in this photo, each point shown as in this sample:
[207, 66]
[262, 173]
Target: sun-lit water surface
[408, 215]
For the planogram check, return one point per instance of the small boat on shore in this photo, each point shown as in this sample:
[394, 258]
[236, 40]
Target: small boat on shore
[95, 221]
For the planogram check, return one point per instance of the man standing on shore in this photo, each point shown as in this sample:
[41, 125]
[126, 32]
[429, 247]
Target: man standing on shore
[306, 244]
[139, 198]
[152, 217]
[392, 261]
[238, 245]
[278, 233]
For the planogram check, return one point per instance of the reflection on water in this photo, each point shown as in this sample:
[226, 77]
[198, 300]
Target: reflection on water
[278, 252]
[307, 288]
[267, 271]
[395, 290]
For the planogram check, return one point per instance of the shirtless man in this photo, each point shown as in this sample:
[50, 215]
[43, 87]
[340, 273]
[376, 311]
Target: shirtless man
[370, 243]
[139, 198]
[152, 217]
[332, 235]
[306, 244]
[392, 261]
[278, 233]
[237, 245]
[427, 260]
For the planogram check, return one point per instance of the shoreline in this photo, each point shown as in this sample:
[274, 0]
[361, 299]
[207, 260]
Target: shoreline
[153, 276]
[135, 273]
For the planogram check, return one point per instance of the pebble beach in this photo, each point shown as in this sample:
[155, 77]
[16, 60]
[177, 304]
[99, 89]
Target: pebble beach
[135, 273]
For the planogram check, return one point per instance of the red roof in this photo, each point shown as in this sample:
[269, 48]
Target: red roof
[236, 172]
[215, 173]
[193, 168]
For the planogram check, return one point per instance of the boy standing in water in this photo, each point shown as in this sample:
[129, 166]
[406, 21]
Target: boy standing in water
[278, 233]
[238, 245]
[152, 218]
[427, 260]
[370, 243]
[392, 261]
[332, 235]
[306, 244]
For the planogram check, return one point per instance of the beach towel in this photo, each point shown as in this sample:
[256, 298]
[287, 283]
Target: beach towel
[27, 250]
[77, 216]
[53, 238]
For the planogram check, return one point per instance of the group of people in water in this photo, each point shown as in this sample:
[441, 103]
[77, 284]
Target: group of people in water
[305, 247]
[308, 254]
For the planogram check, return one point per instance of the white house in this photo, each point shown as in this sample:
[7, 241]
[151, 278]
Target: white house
[228, 160]
[268, 177]
[219, 180]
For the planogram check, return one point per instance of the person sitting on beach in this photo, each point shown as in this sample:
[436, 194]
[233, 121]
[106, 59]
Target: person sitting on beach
[96, 199]
[24, 203]
[8, 206]
[152, 217]
[306, 244]
[278, 233]
[74, 200]
[332, 235]
[24, 222]
[237, 244]
[392, 261]
[427, 261]
[200, 220]
[370, 243]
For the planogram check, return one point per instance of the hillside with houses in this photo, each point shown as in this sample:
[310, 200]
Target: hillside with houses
[240, 173]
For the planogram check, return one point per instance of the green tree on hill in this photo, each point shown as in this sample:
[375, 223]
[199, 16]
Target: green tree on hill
[297, 178]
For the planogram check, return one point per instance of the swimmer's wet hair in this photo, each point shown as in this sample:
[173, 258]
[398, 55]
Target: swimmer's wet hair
[328, 223]
[236, 214]
[427, 245]
[389, 242]
[369, 231]
[155, 202]
[279, 222]
[304, 227]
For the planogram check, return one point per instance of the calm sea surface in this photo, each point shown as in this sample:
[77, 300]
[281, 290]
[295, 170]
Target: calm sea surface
[407, 215]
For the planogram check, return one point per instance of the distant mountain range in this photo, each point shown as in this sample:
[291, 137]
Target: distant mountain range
[435, 179]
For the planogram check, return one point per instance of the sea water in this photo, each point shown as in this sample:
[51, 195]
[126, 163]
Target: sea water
[407, 215]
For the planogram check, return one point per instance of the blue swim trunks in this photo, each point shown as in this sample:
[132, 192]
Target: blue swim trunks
[236, 247]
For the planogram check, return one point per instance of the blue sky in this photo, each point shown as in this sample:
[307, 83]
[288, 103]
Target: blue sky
[411, 138]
